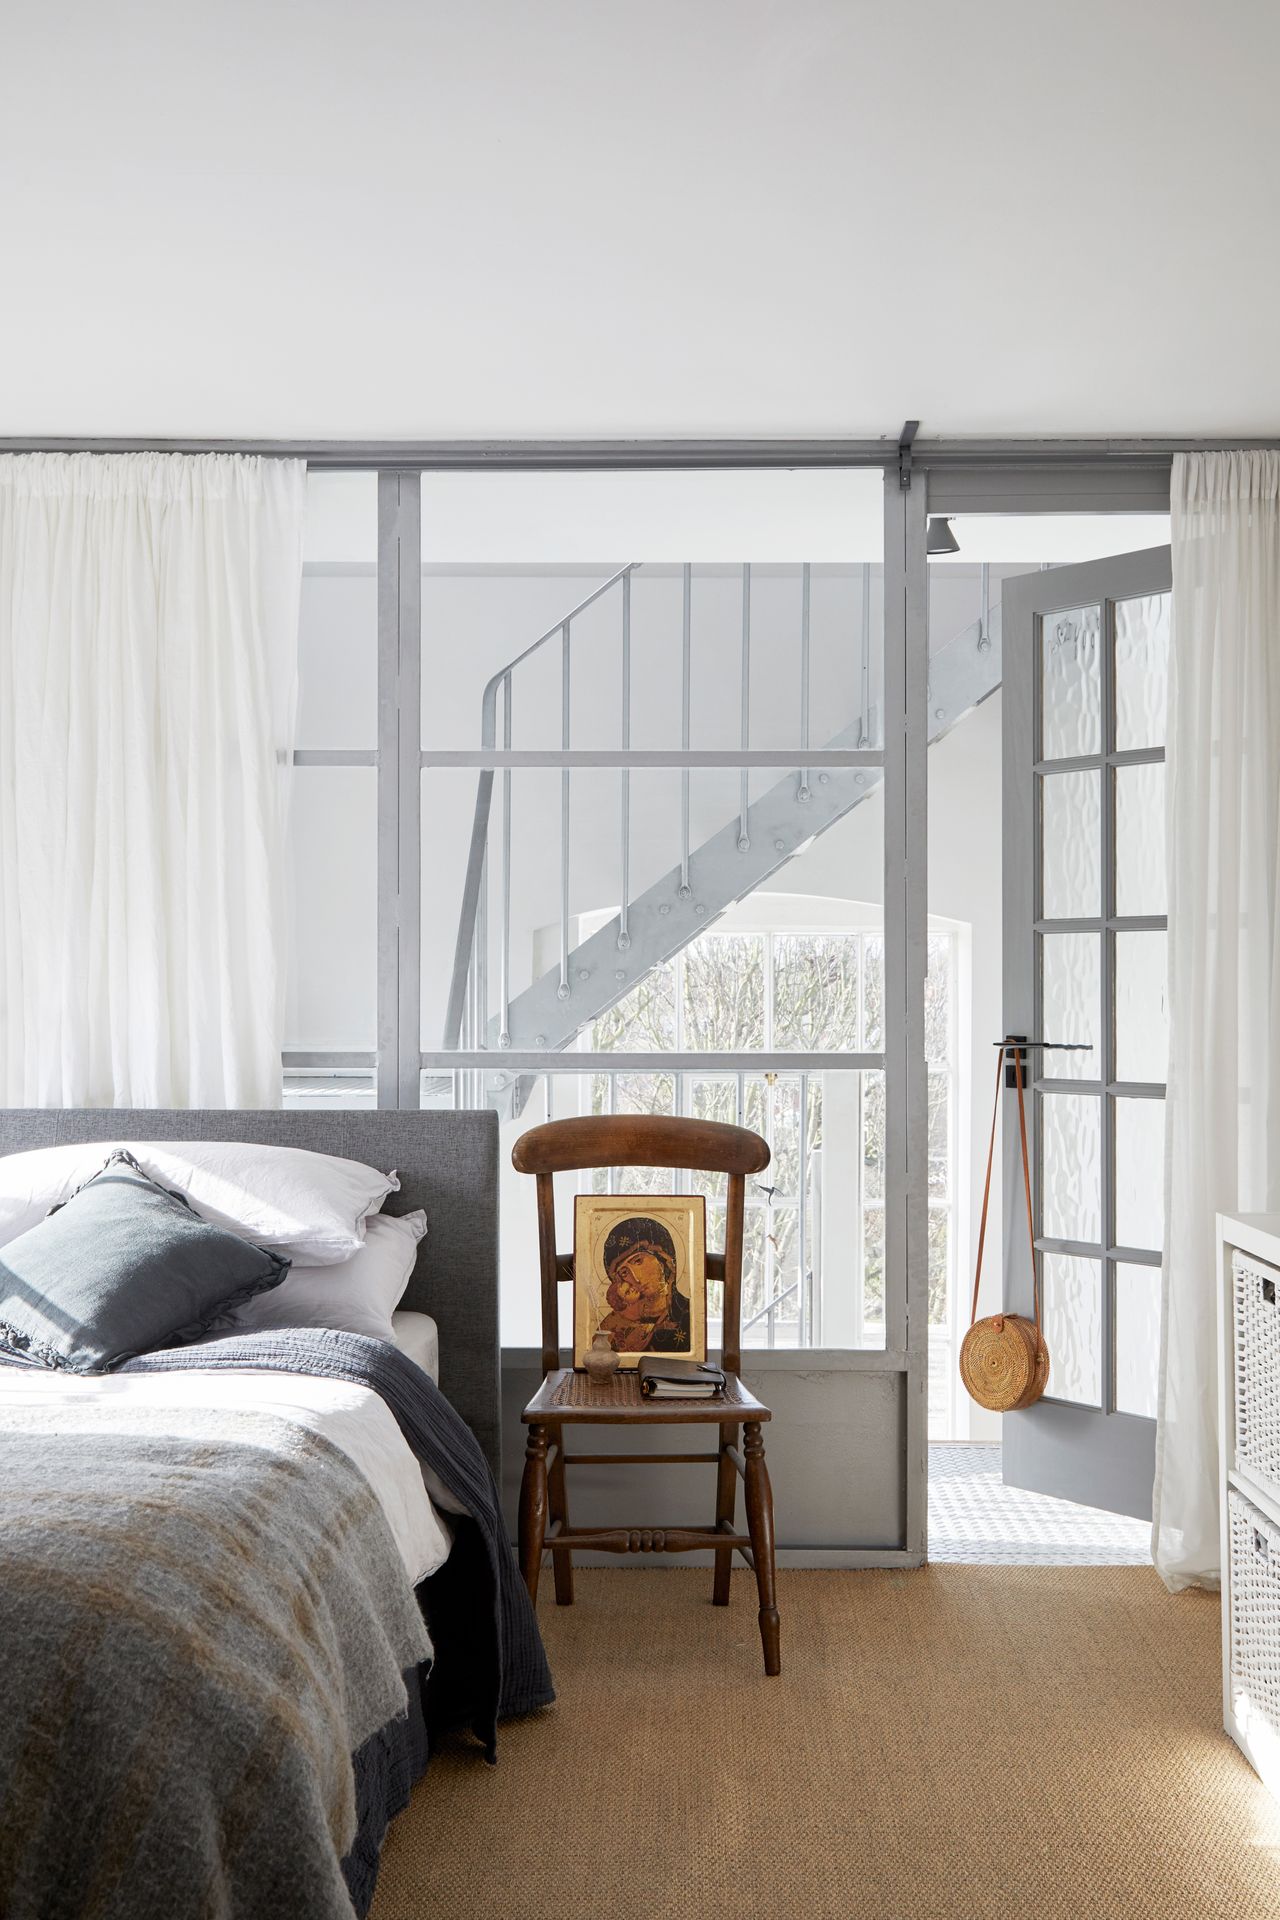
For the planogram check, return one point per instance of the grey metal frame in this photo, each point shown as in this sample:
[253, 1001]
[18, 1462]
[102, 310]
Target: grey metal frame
[991, 476]
[1098, 1456]
[399, 759]
[906, 830]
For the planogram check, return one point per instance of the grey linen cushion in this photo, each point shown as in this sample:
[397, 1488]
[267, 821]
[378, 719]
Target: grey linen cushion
[119, 1268]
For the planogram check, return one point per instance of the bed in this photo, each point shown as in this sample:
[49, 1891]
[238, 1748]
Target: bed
[287, 1552]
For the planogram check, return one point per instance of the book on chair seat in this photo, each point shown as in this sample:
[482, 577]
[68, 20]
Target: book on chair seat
[662, 1379]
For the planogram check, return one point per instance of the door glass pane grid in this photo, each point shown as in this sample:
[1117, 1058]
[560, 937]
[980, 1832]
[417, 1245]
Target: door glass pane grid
[1099, 858]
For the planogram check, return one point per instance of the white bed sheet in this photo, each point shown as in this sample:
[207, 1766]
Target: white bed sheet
[418, 1335]
[354, 1418]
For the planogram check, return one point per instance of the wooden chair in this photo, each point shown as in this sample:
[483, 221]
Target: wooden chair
[566, 1398]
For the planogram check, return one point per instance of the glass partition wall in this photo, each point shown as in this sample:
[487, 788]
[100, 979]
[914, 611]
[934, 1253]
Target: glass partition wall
[579, 836]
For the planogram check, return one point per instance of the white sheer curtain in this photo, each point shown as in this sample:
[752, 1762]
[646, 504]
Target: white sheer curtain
[148, 648]
[1222, 1145]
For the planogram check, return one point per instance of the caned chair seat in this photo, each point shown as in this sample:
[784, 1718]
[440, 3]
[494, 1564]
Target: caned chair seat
[567, 1398]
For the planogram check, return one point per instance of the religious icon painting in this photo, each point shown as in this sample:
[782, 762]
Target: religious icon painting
[640, 1275]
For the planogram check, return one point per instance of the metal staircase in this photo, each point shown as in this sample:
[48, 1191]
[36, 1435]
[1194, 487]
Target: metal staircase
[761, 837]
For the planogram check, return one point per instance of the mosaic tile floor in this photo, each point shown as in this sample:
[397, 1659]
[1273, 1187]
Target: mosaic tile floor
[974, 1518]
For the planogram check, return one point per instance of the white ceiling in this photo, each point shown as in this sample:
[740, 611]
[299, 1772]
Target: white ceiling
[656, 217]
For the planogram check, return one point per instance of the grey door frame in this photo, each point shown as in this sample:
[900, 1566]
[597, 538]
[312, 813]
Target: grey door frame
[1099, 1457]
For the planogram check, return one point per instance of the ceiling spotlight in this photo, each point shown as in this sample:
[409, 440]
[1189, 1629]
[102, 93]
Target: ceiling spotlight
[939, 537]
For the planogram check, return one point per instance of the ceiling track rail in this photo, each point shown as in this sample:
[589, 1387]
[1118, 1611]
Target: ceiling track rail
[595, 456]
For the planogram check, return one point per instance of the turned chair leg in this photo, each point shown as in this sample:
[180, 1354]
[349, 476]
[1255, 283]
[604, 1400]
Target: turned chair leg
[533, 1508]
[561, 1560]
[726, 1499]
[760, 1527]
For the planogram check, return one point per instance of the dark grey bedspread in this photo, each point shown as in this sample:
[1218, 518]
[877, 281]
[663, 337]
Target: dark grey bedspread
[489, 1653]
[503, 1670]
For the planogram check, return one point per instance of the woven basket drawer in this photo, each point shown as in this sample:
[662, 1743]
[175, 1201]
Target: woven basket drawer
[1255, 1614]
[1256, 1323]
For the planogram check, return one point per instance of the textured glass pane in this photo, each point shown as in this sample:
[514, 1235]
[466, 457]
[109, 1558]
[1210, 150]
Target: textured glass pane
[1072, 846]
[873, 1268]
[338, 660]
[724, 992]
[939, 1267]
[873, 993]
[1140, 1174]
[939, 1135]
[937, 1001]
[333, 839]
[1071, 1162]
[873, 1136]
[1072, 998]
[1073, 1327]
[1142, 1007]
[1140, 876]
[1070, 684]
[755, 1293]
[1142, 671]
[815, 990]
[1137, 1339]
[782, 1131]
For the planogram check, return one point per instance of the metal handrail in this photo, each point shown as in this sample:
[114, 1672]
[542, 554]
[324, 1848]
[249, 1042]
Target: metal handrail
[468, 918]
[489, 703]
[771, 1306]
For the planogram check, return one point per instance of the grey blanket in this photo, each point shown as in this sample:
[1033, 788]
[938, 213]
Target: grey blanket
[498, 1668]
[198, 1631]
[199, 1634]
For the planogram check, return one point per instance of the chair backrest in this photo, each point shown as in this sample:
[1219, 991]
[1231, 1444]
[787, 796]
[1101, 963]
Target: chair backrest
[640, 1140]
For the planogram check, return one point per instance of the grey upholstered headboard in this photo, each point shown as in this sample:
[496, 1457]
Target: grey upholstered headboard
[448, 1165]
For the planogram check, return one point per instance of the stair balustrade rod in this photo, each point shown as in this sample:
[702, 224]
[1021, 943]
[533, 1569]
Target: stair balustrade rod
[686, 664]
[624, 931]
[562, 991]
[865, 733]
[802, 791]
[744, 837]
[482, 960]
[504, 985]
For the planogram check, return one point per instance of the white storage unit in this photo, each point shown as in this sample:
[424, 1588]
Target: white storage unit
[1249, 1440]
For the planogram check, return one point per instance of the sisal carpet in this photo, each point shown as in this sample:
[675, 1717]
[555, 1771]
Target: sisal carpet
[953, 1744]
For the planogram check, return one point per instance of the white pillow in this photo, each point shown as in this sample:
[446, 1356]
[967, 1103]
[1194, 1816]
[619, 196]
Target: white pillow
[310, 1206]
[359, 1296]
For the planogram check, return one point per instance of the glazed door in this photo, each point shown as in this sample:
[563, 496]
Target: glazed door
[1086, 662]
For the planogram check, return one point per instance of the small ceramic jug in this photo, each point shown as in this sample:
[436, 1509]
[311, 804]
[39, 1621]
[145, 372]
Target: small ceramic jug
[600, 1360]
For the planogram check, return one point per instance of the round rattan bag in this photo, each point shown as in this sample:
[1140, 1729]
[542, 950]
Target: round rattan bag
[1004, 1362]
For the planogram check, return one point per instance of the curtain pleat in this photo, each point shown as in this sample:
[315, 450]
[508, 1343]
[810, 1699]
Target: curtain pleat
[1222, 1139]
[148, 681]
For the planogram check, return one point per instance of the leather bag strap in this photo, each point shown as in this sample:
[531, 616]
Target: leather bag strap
[1026, 1182]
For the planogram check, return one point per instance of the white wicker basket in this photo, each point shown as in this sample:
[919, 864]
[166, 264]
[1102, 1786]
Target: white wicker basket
[1255, 1614]
[1257, 1365]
